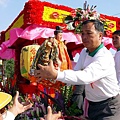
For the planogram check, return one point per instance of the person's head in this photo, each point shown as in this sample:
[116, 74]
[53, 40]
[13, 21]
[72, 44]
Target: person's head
[92, 33]
[4, 100]
[58, 33]
[116, 39]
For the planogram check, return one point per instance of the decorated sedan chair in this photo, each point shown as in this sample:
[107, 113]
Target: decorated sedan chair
[17, 40]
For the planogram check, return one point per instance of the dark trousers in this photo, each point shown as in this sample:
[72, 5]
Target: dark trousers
[78, 96]
[105, 110]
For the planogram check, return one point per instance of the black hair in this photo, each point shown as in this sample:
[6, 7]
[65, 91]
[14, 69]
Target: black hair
[58, 30]
[117, 32]
[98, 25]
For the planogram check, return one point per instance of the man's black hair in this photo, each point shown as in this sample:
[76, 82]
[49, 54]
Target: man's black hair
[58, 30]
[98, 25]
[117, 32]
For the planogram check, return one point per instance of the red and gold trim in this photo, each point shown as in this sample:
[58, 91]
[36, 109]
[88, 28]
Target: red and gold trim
[50, 15]
[45, 14]
[113, 24]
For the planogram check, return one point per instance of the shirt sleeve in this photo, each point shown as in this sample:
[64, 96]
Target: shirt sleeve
[9, 116]
[96, 70]
[117, 67]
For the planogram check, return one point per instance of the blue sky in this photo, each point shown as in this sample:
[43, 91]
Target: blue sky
[9, 9]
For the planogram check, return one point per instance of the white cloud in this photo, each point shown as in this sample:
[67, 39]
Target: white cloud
[3, 3]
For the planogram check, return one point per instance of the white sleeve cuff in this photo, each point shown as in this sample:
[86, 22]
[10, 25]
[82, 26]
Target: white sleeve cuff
[60, 76]
[9, 116]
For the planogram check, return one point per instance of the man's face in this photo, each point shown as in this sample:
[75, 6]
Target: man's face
[91, 38]
[116, 41]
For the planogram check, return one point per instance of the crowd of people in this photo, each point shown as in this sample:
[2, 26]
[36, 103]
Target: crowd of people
[96, 71]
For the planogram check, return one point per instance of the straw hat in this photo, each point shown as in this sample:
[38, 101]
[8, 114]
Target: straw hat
[5, 98]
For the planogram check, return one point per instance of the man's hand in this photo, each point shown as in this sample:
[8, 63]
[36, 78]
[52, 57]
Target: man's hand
[46, 72]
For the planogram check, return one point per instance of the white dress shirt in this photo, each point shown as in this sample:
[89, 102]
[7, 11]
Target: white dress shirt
[117, 65]
[97, 72]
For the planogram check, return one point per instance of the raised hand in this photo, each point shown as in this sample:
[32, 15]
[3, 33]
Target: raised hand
[18, 107]
[50, 115]
[46, 72]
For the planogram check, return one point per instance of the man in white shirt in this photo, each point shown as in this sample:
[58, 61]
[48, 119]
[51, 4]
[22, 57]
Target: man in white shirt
[116, 43]
[96, 69]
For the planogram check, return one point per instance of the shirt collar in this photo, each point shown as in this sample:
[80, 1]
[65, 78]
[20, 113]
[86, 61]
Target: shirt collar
[95, 51]
[118, 49]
